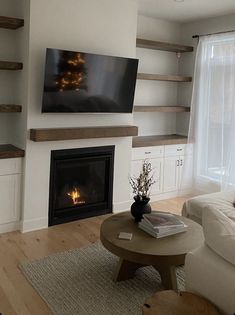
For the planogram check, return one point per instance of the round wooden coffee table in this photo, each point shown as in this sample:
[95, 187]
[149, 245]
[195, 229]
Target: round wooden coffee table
[143, 250]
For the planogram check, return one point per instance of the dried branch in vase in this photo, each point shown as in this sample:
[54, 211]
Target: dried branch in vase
[141, 185]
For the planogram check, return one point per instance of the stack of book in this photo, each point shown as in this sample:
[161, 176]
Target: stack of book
[161, 224]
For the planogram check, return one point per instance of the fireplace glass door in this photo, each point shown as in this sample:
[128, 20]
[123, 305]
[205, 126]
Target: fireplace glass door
[81, 183]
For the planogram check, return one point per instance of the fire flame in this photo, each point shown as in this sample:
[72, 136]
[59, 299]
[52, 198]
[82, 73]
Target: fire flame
[75, 196]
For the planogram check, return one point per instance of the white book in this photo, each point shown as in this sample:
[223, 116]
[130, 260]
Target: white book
[162, 221]
[162, 234]
[171, 230]
[163, 230]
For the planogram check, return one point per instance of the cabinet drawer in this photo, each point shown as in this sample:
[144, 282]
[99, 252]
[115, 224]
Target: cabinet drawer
[174, 149]
[147, 152]
[10, 166]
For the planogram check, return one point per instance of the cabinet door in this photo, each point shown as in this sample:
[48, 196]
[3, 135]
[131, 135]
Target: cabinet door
[157, 165]
[186, 172]
[10, 198]
[171, 173]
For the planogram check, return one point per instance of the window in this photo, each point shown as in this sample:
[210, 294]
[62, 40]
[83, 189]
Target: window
[213, 114]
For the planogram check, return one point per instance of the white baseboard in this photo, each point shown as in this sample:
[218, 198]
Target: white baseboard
[42, 223]
[185, 192]
[122, 206]
[9, 227]
[172, 194]
[34, 224]
[163, 196]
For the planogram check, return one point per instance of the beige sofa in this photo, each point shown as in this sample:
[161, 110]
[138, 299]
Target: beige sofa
[210, 269]
[211, 276]
[193, 207]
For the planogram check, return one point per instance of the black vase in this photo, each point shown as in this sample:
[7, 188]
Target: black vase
[139, 207]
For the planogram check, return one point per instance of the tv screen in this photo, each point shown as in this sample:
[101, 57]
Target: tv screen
[88, 83]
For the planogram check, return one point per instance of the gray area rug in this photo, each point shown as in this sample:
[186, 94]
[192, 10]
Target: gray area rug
[80, 282]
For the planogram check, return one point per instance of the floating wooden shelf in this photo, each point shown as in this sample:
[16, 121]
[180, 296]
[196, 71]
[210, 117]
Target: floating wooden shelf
[10, 22]
[164, 109]
[147, 141]
[11, 65]
[150, 44]
[163, 77]
[54, 134]
[8, 151]
[8, 108]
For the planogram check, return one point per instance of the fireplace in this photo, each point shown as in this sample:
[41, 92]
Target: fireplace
[81, 183]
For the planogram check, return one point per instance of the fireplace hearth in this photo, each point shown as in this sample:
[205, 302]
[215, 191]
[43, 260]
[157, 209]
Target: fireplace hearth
[81, 183]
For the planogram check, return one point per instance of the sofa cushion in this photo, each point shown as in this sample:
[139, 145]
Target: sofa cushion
[193, 208]
[219, 232]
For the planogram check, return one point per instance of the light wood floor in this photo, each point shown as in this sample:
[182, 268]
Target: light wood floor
[17, 297]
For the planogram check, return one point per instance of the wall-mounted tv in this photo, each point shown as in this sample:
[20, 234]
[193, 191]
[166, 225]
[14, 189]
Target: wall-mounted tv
[88, 83]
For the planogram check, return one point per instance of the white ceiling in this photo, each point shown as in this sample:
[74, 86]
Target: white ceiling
[188, 10]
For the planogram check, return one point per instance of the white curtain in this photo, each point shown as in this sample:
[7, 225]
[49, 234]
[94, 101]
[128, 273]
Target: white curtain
[212, 119]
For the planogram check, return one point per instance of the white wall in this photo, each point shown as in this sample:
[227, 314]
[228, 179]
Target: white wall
[12, 83]
[103, 27]
[213, 25]
[161, 62]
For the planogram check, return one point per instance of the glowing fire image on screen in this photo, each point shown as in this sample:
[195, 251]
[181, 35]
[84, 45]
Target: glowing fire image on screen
[76, 196]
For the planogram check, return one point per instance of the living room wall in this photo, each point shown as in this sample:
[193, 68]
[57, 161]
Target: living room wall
[103, 27]
[155, 61]
[14, 47]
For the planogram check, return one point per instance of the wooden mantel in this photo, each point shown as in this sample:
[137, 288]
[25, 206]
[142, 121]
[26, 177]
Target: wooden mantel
[55, 134]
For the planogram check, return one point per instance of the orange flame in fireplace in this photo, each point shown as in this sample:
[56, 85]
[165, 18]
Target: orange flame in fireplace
[75, 196]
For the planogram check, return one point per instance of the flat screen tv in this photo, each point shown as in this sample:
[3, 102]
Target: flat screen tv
[89, 83]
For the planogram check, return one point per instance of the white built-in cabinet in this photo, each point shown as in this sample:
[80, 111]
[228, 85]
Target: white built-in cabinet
[172, 168]
[10, 193]
[186, 172]
[171, 174]
[10, 156]
[155, 156]
[177, 168]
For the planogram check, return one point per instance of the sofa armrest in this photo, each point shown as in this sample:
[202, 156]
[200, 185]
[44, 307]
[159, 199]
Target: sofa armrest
[187, 213]
[211, 276]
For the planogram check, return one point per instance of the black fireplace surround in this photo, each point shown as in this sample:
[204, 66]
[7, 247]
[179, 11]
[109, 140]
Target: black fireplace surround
[81, 183]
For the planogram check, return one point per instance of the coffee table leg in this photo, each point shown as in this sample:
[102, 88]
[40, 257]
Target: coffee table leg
[125, 270]
[168, 276]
